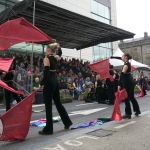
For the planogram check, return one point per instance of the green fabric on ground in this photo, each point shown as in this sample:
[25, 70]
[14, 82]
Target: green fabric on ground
[104, 119]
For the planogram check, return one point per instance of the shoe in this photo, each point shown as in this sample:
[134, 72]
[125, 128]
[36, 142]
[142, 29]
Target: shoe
[45, 133]
[137, 113]
[68, 126]
[126, 117]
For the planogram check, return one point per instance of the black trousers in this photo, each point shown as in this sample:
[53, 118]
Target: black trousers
[8, 95]
[130, 90]
[99, 93]
[51, 91]
[111, 94]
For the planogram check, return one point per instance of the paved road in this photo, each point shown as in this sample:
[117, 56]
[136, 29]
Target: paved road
[79, 111]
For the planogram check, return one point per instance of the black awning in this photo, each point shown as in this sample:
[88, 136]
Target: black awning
[70, 29]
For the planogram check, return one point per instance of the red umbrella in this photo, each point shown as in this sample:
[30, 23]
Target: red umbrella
[20, 30]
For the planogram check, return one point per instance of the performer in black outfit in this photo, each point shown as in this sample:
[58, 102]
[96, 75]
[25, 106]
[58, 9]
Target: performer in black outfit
[99, 90]
[116, 80]
[51, 91]
[128, 84]
[8, 79]
[110, 85]
[142, 83]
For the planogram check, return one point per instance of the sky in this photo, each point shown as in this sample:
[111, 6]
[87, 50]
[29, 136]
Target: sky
[134, 16]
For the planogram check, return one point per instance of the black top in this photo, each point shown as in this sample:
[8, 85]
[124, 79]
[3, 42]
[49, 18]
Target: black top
[129, 67]
[116, 76]
[99, 83]
[48, 71]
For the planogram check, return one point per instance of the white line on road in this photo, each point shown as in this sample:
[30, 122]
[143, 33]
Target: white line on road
[124, 125]
[86, 104]
[2, 109]
[38, 105]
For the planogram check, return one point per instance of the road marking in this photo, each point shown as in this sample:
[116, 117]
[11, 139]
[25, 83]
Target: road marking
[148, 116]
[124, 125]
[87, 136]
[86, 104]
[87, 112]
[83, 112]
[38, 105]
[2, 109]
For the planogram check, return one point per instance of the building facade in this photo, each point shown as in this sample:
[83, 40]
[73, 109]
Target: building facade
[138, 48]
[100, 10]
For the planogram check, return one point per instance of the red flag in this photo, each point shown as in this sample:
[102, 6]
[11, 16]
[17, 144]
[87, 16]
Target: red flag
[132, 68]
[116, 113]
[20, 30]
[5, 63]
[141, 94]
[102, 68]
[5, 86]
[14, 124]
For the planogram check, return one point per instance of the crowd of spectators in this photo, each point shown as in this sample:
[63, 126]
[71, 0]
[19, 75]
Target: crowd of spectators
[74, 76]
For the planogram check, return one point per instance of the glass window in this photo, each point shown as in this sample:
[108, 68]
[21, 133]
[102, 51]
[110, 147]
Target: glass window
[94, 6]
[95, 17]
[101, 19]
[107, 21]
[2, 7]
[96, 53]
[101, 10]
[107, 12]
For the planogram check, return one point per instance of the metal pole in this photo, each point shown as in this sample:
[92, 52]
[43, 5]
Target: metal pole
[32, 51]
[80, 55]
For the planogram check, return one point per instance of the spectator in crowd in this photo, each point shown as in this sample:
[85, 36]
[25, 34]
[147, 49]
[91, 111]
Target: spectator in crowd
[63, 86]
[59, 77]
[70, 87]
[36, 83]
[77, 89]
[88, 82]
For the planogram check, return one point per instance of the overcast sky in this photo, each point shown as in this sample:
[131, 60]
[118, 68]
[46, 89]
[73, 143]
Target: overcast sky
[134, 16]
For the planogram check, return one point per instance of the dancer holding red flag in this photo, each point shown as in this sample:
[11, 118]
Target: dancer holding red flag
[8, 79]
[128, 84]
[51, 91]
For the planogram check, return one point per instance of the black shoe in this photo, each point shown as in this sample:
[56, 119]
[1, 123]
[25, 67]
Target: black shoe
[68, 126]
[137, 113]
[126, 117]
[45, 133]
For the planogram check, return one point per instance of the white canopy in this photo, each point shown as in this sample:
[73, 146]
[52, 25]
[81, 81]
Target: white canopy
[118, 63]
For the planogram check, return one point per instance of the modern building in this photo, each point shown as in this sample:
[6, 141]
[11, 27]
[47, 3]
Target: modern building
[100, 10]
[138, 48]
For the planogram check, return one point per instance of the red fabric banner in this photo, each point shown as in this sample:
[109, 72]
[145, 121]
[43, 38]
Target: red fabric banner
[116, 113]
[132, 68]
[20, 30]
[102, 68]
[5, 63]
[5, 86]
[14, 124]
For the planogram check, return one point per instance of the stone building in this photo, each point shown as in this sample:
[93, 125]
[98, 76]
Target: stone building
[138, 48]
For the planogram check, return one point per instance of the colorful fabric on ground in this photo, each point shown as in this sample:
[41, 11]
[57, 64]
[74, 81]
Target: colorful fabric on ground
[42, 122]
[5, 86]
[116, 113]
[16, 121]
[5, 63]
[88, 124]
[102, 68]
